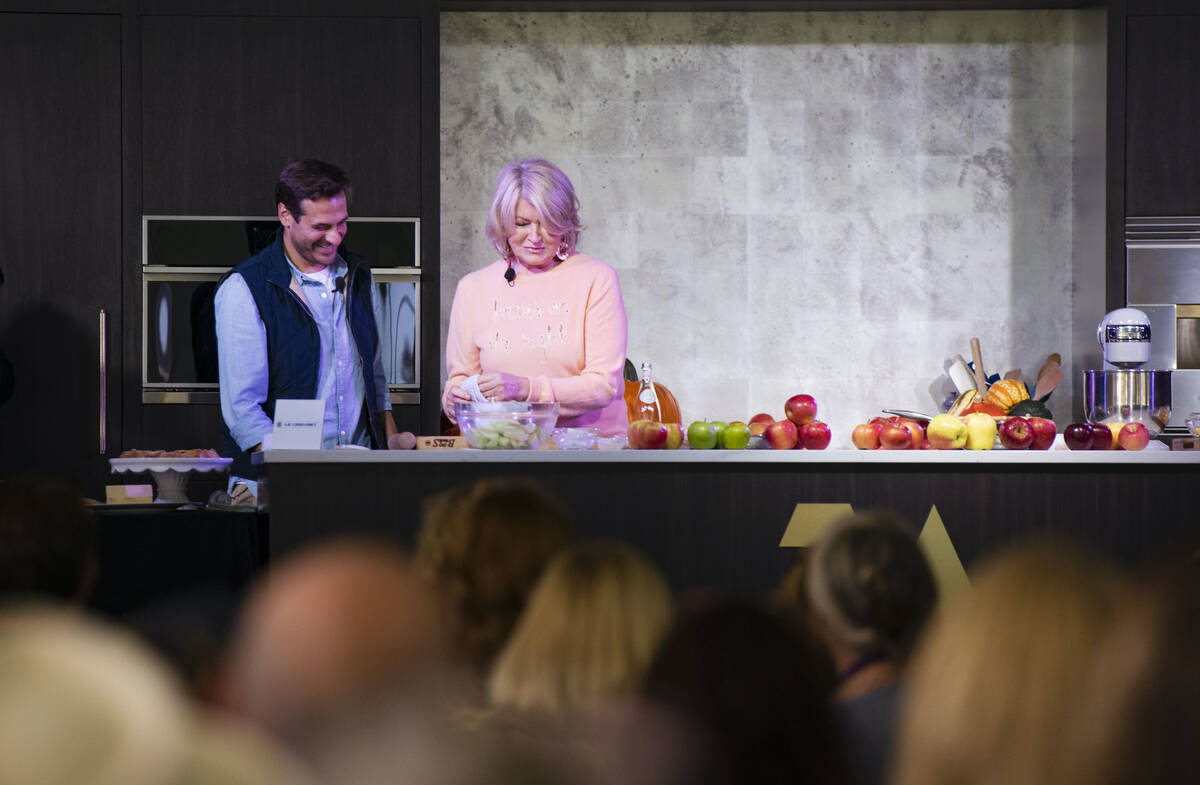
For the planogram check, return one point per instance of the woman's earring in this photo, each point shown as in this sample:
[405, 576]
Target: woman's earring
[563, 253]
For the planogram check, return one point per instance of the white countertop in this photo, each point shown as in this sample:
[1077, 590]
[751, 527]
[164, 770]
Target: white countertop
[1062, 457]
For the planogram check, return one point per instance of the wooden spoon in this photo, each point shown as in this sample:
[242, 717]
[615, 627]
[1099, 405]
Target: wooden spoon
[1015, 374]
[1049, 377]
[980, 377]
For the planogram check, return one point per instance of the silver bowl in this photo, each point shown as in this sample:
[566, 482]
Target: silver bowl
[1128, 395]
[506, 425]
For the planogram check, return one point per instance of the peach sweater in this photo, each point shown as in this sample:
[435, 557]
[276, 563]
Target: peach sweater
[564, 329]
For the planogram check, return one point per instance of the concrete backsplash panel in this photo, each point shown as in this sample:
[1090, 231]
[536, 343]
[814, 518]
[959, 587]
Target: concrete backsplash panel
[831, 203]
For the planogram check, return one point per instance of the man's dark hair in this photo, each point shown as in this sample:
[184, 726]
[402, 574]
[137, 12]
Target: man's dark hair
[48, 540]
[310, 179]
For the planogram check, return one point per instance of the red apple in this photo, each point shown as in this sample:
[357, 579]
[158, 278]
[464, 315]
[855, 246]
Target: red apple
[674, 435]
[1133, 436]
[801, 409]
[1016, 433]
[1078, 436]
[916, 432]
[647, 435]
[1044, 431]
[866, 436]
[782, 435]
[763, 418]
[894, 436]
[815, 435]
[1102, 436]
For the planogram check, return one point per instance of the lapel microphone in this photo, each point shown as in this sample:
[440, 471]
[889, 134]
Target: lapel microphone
[339, 284]
[510, 274]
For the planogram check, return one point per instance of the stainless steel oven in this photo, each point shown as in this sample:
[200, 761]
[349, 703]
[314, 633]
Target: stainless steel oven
[183, 258]
[1162, 279]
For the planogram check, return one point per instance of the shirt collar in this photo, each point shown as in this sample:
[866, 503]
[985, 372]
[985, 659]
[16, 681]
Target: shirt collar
[338, 267]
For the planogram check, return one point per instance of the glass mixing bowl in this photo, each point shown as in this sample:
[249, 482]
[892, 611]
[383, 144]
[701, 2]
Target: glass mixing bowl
[506, 425]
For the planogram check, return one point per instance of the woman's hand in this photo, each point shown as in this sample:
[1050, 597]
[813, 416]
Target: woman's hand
[503, 387]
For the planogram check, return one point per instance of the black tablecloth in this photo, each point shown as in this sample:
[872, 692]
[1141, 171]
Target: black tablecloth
[151, 552]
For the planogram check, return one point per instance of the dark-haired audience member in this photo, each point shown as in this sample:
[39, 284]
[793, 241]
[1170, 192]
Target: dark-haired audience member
[1140, 715]
[869, 592]
[48, 542]
[993, 686]
[751, 689]
[486, 546]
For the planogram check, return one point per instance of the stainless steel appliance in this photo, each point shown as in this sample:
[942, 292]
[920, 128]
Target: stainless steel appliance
[1162, 280]
[183, 258]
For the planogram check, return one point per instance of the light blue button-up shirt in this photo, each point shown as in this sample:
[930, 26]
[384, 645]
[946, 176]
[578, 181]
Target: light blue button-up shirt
[243, 366]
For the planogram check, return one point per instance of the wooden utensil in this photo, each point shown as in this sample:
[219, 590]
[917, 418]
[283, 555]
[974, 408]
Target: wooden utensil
[1016, 374]
[980, 377]
[1049, 377]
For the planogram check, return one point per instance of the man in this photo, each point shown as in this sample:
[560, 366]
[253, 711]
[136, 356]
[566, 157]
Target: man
[295, 321]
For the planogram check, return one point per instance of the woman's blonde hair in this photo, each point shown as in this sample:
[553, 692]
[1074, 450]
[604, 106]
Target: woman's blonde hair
[590, 629]
[544, 186]
[993, 684]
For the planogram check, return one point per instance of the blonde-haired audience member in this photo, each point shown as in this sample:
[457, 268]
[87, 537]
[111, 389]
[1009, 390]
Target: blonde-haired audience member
[993, 686]
[1140, 718]
[83, 702]
[591, 627]
[486, 546]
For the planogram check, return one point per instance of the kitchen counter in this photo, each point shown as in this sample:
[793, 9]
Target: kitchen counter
[717, 517]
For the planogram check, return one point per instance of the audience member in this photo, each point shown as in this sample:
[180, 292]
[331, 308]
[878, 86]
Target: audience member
[992, 687]
[85, 703]
[48, 542]
[868, 592]
[328, 628]
[752, 690]
[1139, 718]
[591, 626]
[486, 546]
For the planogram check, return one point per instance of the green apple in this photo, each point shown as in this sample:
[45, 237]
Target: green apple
[703, 435]
[981, 431]
[735, 436]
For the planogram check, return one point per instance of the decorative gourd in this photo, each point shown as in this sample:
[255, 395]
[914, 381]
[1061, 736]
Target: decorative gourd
[1030, 408]
[667, 405]
[1006, 393]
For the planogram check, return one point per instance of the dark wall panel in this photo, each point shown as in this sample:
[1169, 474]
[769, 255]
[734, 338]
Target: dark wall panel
[228, 100]
[60, 152]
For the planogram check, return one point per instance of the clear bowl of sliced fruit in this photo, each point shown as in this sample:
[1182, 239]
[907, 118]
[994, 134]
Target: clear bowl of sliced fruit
[506, 425]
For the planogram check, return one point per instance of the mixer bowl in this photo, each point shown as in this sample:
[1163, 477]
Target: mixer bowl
[1128, 395]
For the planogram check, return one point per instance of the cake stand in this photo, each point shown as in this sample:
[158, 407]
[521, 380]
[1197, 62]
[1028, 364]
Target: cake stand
[170, 474]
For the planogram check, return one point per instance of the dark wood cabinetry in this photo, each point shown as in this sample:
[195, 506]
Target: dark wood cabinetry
[1162, 126]
[60, 152]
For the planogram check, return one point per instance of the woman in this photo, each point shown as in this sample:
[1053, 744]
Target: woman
[543, 322]
[868, 593]
[587, 635]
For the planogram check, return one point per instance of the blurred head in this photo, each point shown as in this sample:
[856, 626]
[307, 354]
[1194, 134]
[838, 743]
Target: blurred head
[549, 199]
[869, 587]
[591, 626]
[1137, 721]
[48, 541]
[752, 689]
[486, 546]
[330, 627]
[992, 686]
[85, 703]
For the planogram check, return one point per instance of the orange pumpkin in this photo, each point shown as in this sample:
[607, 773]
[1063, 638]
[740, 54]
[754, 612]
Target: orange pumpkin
[668, 406]
[1006, 393]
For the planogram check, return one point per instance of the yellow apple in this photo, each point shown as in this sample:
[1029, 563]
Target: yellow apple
[981, 431]
[946, 432]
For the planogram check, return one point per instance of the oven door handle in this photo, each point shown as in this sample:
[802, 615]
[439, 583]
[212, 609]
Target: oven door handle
[103, 381]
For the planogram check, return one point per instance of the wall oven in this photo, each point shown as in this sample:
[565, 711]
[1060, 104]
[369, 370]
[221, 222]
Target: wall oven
[183, 258]
[1162, 279]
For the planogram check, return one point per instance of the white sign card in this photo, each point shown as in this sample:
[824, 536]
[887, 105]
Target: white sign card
[298, 425]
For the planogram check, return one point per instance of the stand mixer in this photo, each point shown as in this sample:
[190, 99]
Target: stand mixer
[1123, 391]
